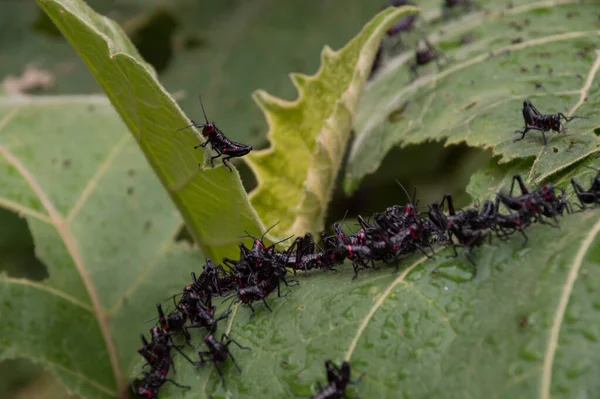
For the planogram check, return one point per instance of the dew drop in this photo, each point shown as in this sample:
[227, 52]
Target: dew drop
[515, 369]
[529, 354]
[453, 307]
[402, 374]
[349, 313]
[577, 370]
[591, 333]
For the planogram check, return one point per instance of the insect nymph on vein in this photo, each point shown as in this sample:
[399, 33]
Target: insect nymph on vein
[535, 120]
[218, 141]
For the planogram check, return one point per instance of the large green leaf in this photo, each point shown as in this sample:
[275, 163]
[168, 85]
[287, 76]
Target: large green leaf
[296, 175]
[212, 201]
[103, 226]
[527, 325]
[543, 51]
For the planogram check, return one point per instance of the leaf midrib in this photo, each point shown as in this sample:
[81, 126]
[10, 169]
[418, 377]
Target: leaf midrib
[62, 229]
[548, 363]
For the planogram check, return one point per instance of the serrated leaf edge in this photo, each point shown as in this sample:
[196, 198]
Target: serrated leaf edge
[352, 93]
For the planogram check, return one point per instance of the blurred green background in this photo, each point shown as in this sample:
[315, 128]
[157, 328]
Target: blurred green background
[223, 49]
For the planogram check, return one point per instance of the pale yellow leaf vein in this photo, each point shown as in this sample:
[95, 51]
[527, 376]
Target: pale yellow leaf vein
[546, 380]
[377, 305]
[8, 117]
[62, 229]
[89, 188]
[23, 210]
[587, 84]
[47, 288]
[162, 249]
[76, 373]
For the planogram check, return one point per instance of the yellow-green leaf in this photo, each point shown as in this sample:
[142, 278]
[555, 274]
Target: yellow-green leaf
[308, 136]
[213, 202]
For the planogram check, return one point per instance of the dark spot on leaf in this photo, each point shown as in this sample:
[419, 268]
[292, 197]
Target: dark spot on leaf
[147, 225]
[397, 114]
[66, 163]
[130, 190]
[537, 66]
[131, 172]
[526, 21]
[524, 321]
[44, 25]
[474, 103]
[554, 149]
[285, 362]
[467, 38]
[192, 42]
[517, 40]
[538, 85]
[509, 5]
[516, 26]
[572, 14]
[524, 69]
[597, 131]
[154, 37]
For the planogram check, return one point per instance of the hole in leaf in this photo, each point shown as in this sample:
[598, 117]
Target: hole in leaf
[17, 257]
[154, 37]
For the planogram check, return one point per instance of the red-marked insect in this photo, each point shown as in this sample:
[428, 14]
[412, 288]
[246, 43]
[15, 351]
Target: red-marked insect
[404, 24]
[218, 141]
[424, 56]
[591, 196]
[535, 120]
[218, 352]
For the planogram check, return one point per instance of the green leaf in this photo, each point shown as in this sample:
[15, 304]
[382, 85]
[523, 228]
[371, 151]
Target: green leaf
[296, 175]
[212, 201]
[477, 96]
[526, 326]
[103, 226]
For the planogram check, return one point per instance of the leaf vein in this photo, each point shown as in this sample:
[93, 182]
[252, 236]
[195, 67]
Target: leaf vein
[89, 189]
[560, 311]
[71, 247]
[377, 305]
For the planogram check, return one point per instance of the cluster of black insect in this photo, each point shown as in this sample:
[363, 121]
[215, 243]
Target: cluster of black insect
[386, 237]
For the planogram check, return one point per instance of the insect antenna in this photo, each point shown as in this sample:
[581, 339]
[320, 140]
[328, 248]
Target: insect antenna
[203, 111]
[194, 124]
[261, 237]
[405, 192]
